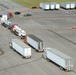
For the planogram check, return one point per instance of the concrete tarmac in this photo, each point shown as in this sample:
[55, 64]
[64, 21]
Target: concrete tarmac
[53, 27]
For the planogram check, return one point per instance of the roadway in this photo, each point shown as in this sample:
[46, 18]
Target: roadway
[53, 27]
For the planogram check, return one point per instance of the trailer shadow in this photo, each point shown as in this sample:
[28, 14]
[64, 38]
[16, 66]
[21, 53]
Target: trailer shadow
[1, 52]
[60, 67]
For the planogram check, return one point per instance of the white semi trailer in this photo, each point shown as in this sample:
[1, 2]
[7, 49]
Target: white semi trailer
[68, 5]
[35, 42]
[51, 6]
[65, 5]
[72, 5]
[44, 6]
[64, 61]
[5, 22]
[21, 48]
[56, 6]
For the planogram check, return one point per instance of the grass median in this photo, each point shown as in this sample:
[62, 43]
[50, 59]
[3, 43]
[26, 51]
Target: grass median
[31, 3]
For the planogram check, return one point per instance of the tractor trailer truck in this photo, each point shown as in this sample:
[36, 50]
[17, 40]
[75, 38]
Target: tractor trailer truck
[64, 61]
[18, 31]
[21, 48]
[35, 42]
[5, 22]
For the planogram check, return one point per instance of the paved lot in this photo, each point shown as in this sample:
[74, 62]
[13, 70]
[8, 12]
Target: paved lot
[9, 4]
[54, 28]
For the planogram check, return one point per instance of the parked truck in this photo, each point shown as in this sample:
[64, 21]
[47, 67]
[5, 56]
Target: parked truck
[13, 27]
[68, 5]
[51, 6]
[64, 61]
[6, 23]
[44, 6]
[72, 5]
[35, 42]
[65, 5]
[21, 48]
[75, 4]
[56, 6]
[18, 31]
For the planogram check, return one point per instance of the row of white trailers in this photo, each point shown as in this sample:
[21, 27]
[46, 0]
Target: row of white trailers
[62, 60]
[53, 5]
[24, 48]
[48, 5]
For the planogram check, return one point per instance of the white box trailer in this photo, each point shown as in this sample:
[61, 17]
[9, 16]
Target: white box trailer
[44, 6]
[35, 42]
[72, 5]
[21, 48]
[51, 6]
[75, 4]
[5, 16]
[41, 5]
[56, 6]
[65, 5]
[62, 60]
[5, 22]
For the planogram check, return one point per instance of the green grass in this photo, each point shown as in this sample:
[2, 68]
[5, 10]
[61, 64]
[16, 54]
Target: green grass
[31, 3]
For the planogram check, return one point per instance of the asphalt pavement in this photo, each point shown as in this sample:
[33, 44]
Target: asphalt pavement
[53, 27]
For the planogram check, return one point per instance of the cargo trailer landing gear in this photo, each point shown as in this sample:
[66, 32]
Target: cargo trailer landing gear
[61, 68]
[26, 57]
